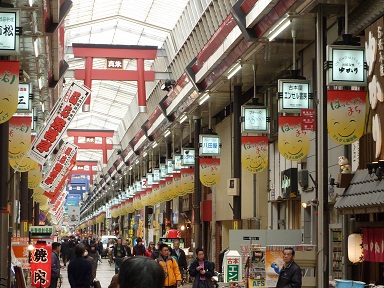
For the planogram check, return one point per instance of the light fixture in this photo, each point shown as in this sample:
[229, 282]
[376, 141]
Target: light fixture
[137, 162]
[280, 27]
[204, 98]
[40, 82]
[42, 107]
[145, 154]
[232, 72]
[154, 144]
[183, 118]
[36, 47]
[182, 228]
[167, 133]
[305, 204]
[355, 248]
[30, 2]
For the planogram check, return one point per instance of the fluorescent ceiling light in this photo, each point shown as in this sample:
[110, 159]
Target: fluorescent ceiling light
[145, 154]
[137, 162]
[183, 118]
[40, 82]
[36, 47]
[204, 98]
[236, 68]
[279, 28]
[167, 133]
[154, 144]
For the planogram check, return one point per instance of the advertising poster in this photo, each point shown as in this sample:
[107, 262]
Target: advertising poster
[9, 89]
[273, 264]
[293, 142]
[346, 115]
[209, 171]
[254, 153]
[257, 264]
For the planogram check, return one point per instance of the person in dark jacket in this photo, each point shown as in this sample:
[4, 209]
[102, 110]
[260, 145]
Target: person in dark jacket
[156, 253]
[80, 269]
[55, 270]
[139, 249]
[290, 275]
[64, 249]
[119, 253]
[202, 270]
[71, 254]
[179, 254]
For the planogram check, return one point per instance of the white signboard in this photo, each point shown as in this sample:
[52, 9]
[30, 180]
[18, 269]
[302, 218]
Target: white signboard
[254, 119]
[209, 145]
[346, 65]
[149, 179]
[169, 166]
[143, 183]
[163, 170]
[24, 103]
[156, 175]
[293, 95]
[9, 31]
[138, 187]
[58, 122]
[188, 157]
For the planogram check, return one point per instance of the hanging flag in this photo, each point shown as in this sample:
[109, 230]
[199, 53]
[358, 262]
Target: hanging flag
[9, 89]
[209, 171]
[188, 180]
[293, 142]
[58, 122]
[41, 258]
[345, 115]
[254, 153]
[19, 136]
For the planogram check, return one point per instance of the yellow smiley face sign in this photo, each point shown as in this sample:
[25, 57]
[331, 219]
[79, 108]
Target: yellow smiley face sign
[254, 153]
[209, 171]
[9, 89]
[188, 180]
[293, 143]
[19, 136]
[346, 115]
[34, 178]
[23, 164]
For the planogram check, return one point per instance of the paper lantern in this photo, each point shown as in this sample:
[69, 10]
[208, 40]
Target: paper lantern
[355, 248]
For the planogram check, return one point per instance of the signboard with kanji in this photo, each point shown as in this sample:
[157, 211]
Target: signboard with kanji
[308, 120]
[232, 265]
[25, 101]
[60, 118]
[41, 229]
[41, 258]
[294, 94]
[9, 31]
[115, 63]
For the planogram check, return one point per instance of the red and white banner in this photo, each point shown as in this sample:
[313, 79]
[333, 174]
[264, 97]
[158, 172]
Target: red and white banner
[41, 258]
[63, 160]
[373, 244]
[60, 118]
[9, 89]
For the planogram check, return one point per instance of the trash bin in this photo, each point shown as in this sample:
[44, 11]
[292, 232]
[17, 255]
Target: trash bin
[349, 284]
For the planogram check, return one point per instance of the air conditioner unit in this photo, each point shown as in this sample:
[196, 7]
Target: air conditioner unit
[233, 187]
[303, 178]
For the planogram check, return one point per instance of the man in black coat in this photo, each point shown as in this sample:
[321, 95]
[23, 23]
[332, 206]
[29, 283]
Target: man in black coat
[80, 269]
[290, 275]
[180, 256]
[65, 251]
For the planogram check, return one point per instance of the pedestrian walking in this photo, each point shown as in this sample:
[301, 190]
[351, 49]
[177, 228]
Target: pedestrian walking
[202, 270]
[139, 249]
[64, 250]
[290, 275]
[170, 267]
[179, 254]
[80, 269]
[119, 253]
[55, 265]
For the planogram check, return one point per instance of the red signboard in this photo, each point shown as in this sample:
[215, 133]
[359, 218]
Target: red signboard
[41, 258]
[308, 120]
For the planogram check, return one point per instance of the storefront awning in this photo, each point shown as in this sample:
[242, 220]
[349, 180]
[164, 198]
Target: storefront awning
[364, 195]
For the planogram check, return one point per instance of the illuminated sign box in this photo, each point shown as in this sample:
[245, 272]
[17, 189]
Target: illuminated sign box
[188, 156]
[177, 161]
[346, 66]
[254, 119]
[24, 103]
[10, 31]
[209, 145]
[294, 95]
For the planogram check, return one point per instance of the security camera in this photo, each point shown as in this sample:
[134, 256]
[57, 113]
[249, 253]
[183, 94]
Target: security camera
[187, 152]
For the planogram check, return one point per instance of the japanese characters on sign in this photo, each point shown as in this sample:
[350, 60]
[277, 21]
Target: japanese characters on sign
[60, 168]
[9, 84]
[62, 115]
[254, 119]
[188, 156]
[209, 145]
[308, 121]
[232, 265]
[346, 66]
[9, 38]
[294, 94]
[114, 63]
[24, 103]
[41, 258]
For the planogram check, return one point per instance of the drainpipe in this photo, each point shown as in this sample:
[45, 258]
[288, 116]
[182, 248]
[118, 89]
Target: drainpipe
[23, 204]
[237, 151]
[197, 193]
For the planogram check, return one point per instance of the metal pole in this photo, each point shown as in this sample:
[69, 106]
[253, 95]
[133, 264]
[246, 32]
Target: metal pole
[237, 149]
[24, 204]
[197, 184]
[322, 153]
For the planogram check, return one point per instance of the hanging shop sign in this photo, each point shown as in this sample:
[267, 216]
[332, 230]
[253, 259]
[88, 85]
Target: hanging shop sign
[254, 119]
[114, 63]
[346, 66]
[177, 191]
[10, 31]
[138, 187]
[346, 115]
[24, 103]
[188, 180]
[308, 119]
[254, 153]
[60, 168]
[23, 164]
[143, 183]
[294, 94]
[34, 178]
[156, 175]
[293, 142]
[19, 136]
[209, 145]
[188, 156]
[60, 118]
[169, 167]
[41, 259]
[289, 183]
[177, 161]
[163, 170]
[209, 171]
[9, 86]
[373, 244]
[149, 179]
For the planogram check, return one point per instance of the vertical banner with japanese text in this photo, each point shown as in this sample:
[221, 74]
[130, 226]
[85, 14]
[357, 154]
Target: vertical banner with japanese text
[19, 136]
[60, 118]
[41, 258]
[254, 153]
[346, 115]
[9, 89]
[293, 142]
[188, 180]
[209, 171]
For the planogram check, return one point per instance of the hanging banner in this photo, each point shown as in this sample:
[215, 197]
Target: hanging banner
[24, 103]
[169, 188]
[254, 153]
[293, 142]
[177, 191]
[60, 118]
[373, 244]
[19, 136]
[209, 171]
[62, 161]
[188, 180]
[9, 88]
[23, 164]
[41, 258]
[34, 178]
[346, 115]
